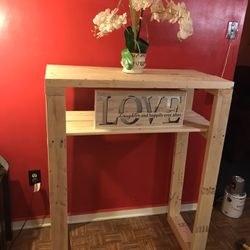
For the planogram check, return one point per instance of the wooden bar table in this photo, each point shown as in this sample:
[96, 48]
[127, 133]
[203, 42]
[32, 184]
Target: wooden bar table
[62, 123]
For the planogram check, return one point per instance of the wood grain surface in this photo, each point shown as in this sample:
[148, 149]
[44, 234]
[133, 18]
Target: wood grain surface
[140, 233]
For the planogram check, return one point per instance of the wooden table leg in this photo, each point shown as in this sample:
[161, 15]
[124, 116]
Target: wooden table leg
[215, 141]
[178, 172]
[176, 222]
[56, 132]
[178, 165]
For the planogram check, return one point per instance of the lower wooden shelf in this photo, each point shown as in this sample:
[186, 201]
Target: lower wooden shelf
[82, 123]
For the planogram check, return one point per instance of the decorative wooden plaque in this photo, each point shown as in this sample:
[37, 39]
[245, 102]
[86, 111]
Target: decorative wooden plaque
[115, 109]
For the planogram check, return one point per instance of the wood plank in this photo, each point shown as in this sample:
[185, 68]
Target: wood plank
[50, 91]
[177, 174]
[216, 136]
[82, 123]
[101, 77]
[179, 163]
[57, 170]
[181, 231]
[190, 99]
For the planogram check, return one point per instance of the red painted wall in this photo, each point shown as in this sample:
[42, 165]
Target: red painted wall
[105, 172]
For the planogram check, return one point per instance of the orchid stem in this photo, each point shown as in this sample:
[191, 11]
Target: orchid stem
[139, 27]
[133, 21]
[119, 4]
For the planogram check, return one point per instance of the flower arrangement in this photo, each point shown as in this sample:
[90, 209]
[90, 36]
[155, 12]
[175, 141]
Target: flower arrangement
[109, 20]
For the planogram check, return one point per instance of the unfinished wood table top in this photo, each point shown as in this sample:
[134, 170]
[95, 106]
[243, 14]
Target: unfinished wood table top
[108, 77]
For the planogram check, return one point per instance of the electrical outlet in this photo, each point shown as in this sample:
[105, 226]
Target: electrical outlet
[34, 177]
[232, 30]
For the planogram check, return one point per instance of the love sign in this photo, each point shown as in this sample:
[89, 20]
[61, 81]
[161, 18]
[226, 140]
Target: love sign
[115, 109]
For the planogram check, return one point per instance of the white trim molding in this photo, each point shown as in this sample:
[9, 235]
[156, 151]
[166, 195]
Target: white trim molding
[101, 216]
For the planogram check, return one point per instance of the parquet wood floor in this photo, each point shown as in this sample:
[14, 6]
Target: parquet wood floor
[140, 233]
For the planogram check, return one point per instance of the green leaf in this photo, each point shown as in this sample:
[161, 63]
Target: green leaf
[127, 59]
[139, 46]
[143, 45]
[129, 39]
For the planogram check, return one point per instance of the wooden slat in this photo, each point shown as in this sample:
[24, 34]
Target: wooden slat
[101, 77]
[216, 135]
[82, 123]
[177, 174]
[57, 170]
[181, 231]
[190, 99]
[50, 91]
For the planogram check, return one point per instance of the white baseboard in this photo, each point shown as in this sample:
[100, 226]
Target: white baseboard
[103, 216]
